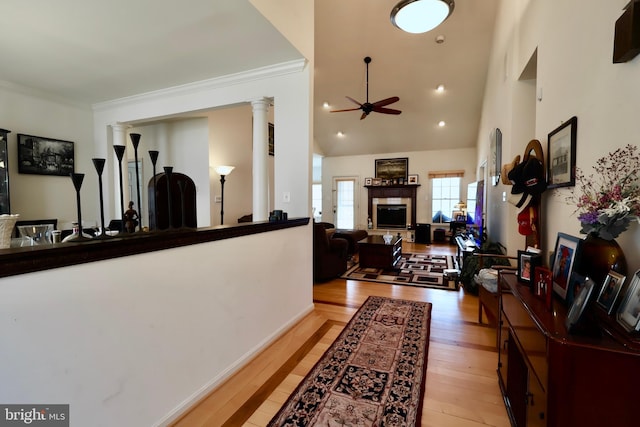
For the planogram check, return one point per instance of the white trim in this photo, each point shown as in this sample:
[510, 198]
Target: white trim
[205, 390]
[243, 77]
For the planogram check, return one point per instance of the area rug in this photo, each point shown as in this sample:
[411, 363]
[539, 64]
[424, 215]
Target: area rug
[424, 270]
[372, 375]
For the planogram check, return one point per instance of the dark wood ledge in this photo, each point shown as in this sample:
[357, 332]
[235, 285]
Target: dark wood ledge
[16, 261]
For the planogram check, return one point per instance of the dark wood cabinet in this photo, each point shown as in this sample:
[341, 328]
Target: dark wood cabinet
[549, 377]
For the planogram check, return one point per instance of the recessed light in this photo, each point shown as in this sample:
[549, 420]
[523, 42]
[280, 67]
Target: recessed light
[340, 134]
[440, 39]
[441, 123]
[440, 88]
[325, 104]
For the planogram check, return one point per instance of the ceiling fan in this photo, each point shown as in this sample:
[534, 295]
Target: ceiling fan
[368, 107]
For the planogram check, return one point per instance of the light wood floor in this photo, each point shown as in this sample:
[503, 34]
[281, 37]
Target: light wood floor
[461, 386]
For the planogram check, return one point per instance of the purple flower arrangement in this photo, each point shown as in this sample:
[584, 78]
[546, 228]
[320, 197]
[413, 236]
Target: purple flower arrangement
[609, 199]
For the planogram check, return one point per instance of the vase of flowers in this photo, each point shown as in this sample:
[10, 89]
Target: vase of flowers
[607, 201]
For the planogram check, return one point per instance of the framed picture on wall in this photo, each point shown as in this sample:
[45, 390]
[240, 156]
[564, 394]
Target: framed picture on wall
[44, 156]
[561, 155]
[392, 168]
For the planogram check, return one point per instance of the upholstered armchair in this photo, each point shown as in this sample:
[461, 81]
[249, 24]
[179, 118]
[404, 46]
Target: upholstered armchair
[329, 254]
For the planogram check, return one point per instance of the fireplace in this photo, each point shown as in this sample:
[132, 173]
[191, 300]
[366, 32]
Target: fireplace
[393, 195]
[391, 216]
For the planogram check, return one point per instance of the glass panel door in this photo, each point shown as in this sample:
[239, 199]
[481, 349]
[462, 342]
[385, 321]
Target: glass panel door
[345, 206]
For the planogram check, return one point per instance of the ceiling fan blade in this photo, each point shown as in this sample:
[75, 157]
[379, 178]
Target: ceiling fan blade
[353, 100]
[386, 110]
[340, 111]
[387, 101]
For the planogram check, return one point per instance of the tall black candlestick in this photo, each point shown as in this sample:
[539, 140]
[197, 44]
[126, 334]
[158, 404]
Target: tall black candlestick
[77, 179]
[99, 165]
[154, 159]
[119, 149]
[135, 140]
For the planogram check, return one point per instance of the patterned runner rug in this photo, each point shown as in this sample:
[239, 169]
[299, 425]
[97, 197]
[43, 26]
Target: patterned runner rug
[372, 375]
[422, 270]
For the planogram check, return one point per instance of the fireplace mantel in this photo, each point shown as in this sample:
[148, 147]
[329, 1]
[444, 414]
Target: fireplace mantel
[382, 191]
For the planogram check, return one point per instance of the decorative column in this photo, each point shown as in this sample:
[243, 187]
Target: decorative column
[260, 159]
[119, 138]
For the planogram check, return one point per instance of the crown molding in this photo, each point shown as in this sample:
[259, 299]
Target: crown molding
[42, 95]
[243, 77]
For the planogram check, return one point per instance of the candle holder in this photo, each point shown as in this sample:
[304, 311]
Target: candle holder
[77, 179]
[168, 170]
[119, 149]
[99, 165]
[135, 140]
[154, 159]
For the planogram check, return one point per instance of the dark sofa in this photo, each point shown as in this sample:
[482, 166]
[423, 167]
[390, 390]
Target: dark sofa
[329, 254]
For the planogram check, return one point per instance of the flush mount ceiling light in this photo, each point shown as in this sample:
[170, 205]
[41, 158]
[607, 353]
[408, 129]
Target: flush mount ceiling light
[420, 16]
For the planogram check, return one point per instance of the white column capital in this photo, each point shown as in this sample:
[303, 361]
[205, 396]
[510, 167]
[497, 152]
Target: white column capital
[260, 104]
[120, 127]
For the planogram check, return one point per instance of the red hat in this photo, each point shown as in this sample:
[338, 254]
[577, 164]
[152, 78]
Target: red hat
[527, 221]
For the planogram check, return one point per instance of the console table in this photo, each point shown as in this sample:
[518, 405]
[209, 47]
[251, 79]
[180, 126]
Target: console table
[549, 377]
[375, 253]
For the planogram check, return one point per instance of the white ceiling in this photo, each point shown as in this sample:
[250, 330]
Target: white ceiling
[94, 50]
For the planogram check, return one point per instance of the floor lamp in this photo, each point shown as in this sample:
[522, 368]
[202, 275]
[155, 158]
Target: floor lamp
[222, 171]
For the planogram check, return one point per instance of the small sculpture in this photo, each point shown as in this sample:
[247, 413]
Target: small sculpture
[130, 219]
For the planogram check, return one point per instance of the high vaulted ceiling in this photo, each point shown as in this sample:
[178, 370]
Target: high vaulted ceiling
[92, 51]
[409, 66]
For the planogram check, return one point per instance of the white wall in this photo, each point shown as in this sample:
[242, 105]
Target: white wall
[137, 340]
[420, 163]
[574, 41]
[27, 111]
[134, 341]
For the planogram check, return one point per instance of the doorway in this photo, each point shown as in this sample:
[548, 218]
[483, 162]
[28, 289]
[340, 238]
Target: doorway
[344, 204]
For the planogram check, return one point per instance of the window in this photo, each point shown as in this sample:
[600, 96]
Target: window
[445, 194]
[316, 201]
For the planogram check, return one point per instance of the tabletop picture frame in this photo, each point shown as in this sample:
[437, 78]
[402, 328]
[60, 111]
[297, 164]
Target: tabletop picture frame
[565, 255]
[610, 291]
[561, 155]
[542, 285]
[579, 305]
[44, 156]
[628, 315]
[527, 263]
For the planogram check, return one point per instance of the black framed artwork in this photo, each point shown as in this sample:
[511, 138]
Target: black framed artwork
[392, 168]
[561, 155]
[44, 156]
[5, 200]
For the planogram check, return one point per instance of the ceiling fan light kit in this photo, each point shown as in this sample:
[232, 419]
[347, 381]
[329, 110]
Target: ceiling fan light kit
[420, 16]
